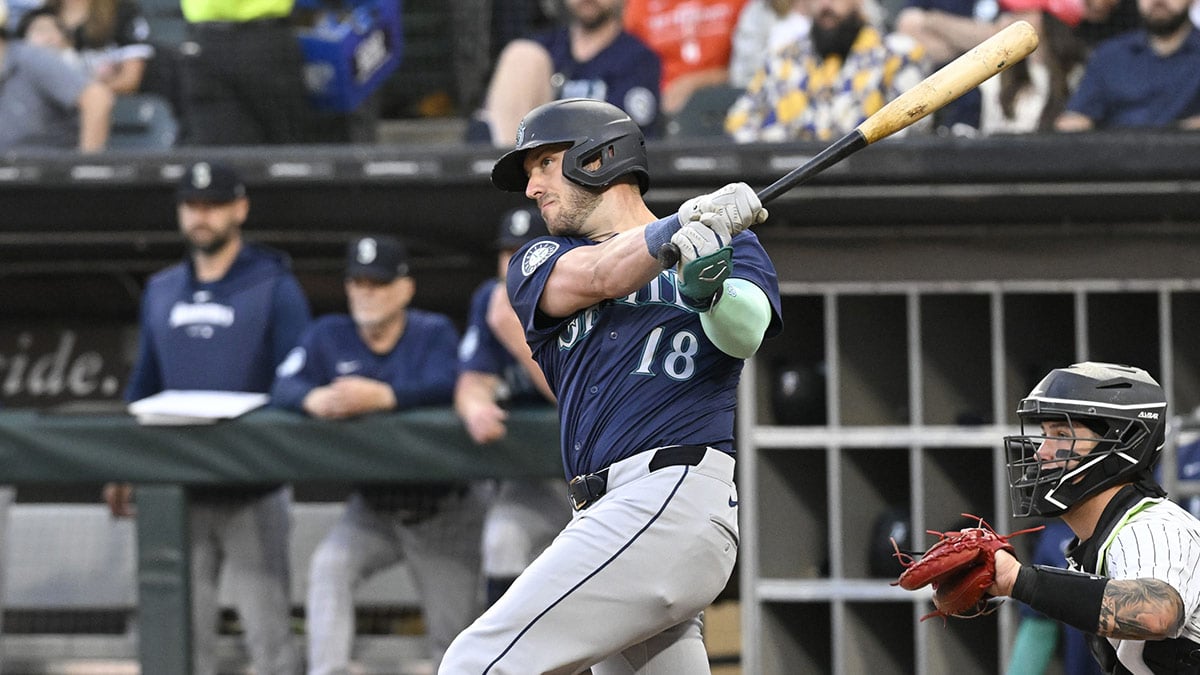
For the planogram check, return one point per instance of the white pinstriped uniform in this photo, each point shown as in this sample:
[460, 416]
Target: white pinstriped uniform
[1160, 540]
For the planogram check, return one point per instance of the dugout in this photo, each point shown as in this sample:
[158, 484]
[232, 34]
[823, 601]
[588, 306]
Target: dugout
[906, 240]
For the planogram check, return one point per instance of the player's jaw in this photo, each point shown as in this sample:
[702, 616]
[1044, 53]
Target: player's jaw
[208, 228]
[204, 237]
[567, 212]
[376, 304]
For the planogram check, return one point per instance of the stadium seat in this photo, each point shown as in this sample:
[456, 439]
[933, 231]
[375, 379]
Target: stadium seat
[143, 121]
[704, 113]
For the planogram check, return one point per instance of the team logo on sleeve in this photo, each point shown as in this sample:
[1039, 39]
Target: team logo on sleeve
[292, 363]
[536, 255]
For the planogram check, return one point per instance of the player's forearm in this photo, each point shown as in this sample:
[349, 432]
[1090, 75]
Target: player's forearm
[1125, 609]
[506, 327]
[474, 389]
[626, 263]
[587, 275]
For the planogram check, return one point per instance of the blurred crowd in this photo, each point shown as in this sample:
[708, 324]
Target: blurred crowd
[746, 70]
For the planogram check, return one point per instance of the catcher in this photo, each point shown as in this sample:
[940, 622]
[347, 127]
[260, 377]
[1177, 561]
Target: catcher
[1090, 436]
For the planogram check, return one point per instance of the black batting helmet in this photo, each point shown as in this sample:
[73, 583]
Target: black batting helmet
[1122, 405]
[595, 130]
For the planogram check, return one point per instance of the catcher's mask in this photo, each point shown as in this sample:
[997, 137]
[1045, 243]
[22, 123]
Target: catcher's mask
[1123, 406]
[594, 130]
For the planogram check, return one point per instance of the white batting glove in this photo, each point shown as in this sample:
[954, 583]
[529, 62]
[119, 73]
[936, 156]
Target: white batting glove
[696, 240]
[736, 203]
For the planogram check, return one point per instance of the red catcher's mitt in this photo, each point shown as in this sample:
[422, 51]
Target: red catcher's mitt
[960, 566]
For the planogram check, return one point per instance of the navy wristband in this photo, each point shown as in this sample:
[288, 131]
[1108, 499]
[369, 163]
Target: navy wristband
[660, 232]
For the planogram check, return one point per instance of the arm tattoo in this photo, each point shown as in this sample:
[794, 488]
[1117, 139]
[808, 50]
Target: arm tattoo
[1140, 609]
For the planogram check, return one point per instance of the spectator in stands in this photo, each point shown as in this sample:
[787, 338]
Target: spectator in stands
[14, 10]
[48, 102]
[497, 371]
[693, 39]
[589, 56]
[764, 27]
[481, 28]
[822, 86]
[947, 29]
[384, 356]
[1144, 78]
[41, 27]
[1030, 95]
[222, 320]
[112, 38]
[1104, 19]
[242, 72]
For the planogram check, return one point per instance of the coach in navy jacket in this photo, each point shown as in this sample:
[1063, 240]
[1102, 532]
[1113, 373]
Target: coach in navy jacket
[223, 319]
[384, 356]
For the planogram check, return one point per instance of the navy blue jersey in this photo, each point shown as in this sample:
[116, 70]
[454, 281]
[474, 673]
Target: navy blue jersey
[626, 74]
[637, 372]
[420, 367]
[481, 352]
[1128, 85]
[226, 335]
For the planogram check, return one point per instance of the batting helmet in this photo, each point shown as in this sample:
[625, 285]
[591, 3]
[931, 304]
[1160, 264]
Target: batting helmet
[595, 130]
[1122, 405]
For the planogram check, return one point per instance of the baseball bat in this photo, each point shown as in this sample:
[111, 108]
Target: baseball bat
[994, 55]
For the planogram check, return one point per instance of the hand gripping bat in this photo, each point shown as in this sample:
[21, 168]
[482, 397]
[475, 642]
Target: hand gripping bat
[990, 57]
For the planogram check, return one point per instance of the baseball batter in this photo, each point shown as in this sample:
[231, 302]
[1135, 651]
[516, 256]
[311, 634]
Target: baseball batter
[645, 364]
[1091, 434]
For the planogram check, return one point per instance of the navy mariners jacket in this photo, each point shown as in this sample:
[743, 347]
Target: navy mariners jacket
[226, 335]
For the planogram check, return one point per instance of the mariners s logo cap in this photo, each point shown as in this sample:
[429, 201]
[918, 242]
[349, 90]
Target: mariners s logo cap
[380, 259]
[520, 226]
[211, 182]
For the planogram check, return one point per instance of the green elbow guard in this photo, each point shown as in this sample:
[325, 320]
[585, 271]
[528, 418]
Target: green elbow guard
[738, 320]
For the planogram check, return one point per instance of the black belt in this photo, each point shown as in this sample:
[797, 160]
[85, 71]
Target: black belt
[586, 489]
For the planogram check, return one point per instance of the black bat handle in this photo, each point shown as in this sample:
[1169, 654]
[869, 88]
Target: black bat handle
[668, 253]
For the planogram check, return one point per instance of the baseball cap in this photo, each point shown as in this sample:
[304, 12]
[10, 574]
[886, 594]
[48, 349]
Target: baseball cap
[377, 258]
[519, 226]
[1069, 12]
[210, 182]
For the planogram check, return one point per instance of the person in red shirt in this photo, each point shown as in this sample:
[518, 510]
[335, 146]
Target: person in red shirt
[693, 38]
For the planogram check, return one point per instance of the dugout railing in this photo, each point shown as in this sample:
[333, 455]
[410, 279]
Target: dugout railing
[265, 446]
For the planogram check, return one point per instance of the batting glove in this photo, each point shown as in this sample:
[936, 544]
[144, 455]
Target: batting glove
[705, 262]
[736, 203]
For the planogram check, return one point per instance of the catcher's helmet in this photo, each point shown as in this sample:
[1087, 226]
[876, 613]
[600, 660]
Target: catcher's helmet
[1122, 405]
[595, 130]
